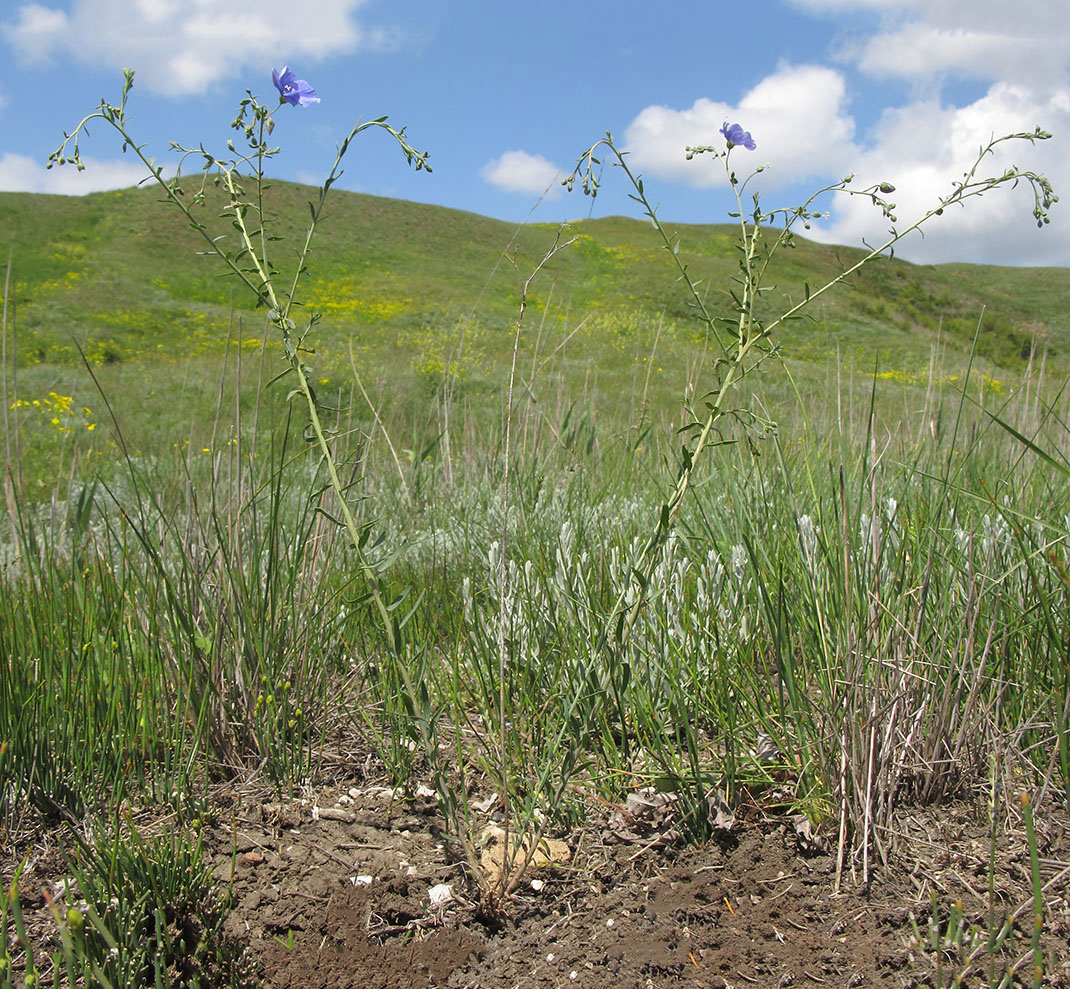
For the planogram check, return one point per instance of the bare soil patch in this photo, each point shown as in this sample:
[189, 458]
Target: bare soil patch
[335, 889]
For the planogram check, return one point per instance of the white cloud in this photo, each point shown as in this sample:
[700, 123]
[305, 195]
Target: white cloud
[924, 39]
[36, 31]
[923, 147]
[800, 120]
[519, 171]
[179, 47]
[21, 173]
[1024, 55]
[1027, 16]
[796, 115]
[920, 49]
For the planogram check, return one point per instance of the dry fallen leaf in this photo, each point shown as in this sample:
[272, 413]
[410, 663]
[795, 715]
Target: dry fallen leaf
[547, 852]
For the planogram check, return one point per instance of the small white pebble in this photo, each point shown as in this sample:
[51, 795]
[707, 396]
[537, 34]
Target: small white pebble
[440, 895]
[361, 880]
[550, 957]
[574, 975]
[609, 923]
[537, 885]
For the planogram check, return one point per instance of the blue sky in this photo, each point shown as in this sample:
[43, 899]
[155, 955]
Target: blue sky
[505, 96]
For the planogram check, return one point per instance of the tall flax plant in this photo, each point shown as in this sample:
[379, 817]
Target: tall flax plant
[245, 598]
[658, 691]
[252, 262]
[743, 341]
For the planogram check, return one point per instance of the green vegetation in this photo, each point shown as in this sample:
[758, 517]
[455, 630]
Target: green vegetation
[872, 593]
[414, 296]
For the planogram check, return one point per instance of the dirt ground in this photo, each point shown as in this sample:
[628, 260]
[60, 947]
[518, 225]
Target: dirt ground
[349, 886]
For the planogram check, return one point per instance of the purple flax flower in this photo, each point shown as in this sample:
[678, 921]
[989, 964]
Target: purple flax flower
[737, 135]
[296, 92]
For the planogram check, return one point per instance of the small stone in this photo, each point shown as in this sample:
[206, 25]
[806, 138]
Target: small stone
[332, 814]
[440, 895]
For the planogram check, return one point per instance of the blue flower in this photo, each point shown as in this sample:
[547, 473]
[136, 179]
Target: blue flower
[737, 135]
[296, 92]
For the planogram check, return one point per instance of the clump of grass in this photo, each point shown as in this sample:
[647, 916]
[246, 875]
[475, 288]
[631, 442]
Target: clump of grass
[170, 624]
[137, 912]
[962, 951]
[86, 707]
[15, 946]
[149, 914]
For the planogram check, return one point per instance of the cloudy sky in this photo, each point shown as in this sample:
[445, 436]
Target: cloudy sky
[507, 95]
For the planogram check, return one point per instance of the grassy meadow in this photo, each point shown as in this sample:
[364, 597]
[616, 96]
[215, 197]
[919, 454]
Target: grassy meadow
[864, 603]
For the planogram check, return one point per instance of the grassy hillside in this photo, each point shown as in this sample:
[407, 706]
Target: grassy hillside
[414, 297]
[120, 274]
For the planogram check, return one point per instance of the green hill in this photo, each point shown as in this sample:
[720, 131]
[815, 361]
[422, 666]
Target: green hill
[121, 274]
[412, 295]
